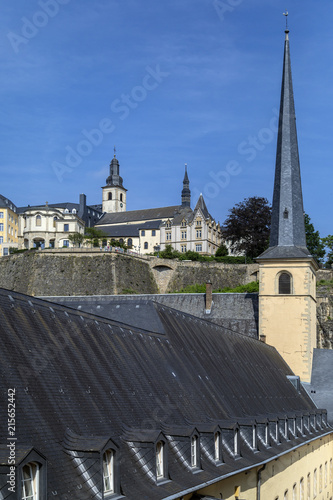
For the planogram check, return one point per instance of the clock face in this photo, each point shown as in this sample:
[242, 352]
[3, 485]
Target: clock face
[121, 205]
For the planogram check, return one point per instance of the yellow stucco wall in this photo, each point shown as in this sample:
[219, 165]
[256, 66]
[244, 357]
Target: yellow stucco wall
[289, 321]
[284, 475]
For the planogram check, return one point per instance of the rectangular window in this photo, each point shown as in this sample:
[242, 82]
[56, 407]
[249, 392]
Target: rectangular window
[153, 233]
[143, 233]
[198, 248]
[108, 471]
[1, 226]
[1, 215]
[217, 446]
[183, 235]
[30, 480]
[168, 236]
[183, 248]
[66, 243]
[159, 460]
[6, 251]
[198, 233]
[66, 228]
[1, 240]
[194, 451]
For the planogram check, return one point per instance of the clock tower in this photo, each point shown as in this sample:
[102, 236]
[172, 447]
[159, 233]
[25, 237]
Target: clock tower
[114, 193]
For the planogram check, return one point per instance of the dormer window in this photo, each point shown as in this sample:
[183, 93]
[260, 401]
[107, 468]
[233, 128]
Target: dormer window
[30, 481]
[108, 471]
[66, 211]
[183, 223]
[198, 222]
[254, 438]
[160, 460]
[74, 211]
[194, 451]
[168, 224]
[236, 442]
[217, 446]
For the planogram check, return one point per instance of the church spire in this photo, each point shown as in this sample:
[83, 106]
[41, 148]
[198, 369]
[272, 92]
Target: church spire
[186, 193]
[114, 178]
[287, 237]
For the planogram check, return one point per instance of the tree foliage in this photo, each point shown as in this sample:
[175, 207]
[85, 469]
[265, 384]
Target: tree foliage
[76, 239]
[328, 243]
[247, 226]
[93, 235]
[222, 251]
[314, 243]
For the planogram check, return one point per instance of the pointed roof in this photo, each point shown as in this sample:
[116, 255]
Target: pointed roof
[186, 193]
[287, 239]
[114, 178]
[202, 206]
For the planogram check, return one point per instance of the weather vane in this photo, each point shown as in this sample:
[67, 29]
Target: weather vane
[286, 14]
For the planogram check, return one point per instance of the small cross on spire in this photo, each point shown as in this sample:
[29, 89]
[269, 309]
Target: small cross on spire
[286, 14]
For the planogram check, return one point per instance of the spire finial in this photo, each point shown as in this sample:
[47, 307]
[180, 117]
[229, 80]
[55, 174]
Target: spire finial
[286, 14]
[114, 151]
[185, 167]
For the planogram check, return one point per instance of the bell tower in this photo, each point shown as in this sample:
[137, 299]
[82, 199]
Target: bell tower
[287, 294]
[114, 193]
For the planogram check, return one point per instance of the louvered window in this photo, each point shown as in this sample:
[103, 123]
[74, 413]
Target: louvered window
[284, 284]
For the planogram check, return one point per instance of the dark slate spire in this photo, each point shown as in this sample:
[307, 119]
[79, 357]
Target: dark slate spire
[186, 193]
[114, 178]
[287, 237]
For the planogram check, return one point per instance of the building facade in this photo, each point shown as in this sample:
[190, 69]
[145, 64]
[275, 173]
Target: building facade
[151, 230]
[9, 226]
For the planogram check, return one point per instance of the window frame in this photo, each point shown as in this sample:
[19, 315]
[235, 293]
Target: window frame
[281, 285]
[160, 460]
[108, 465]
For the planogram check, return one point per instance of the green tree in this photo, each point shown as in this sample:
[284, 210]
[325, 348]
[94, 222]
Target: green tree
[93, 235]
[314, 243]
[222, 251]
[76, 239]
[247, 226]
[328, 243]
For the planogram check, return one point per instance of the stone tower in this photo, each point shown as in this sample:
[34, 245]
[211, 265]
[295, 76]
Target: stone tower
[287, 296]
[114, 193]
[186, 193]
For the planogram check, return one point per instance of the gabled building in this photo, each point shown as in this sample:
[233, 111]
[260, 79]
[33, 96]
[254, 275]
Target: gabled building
[8, 226]
[150, 230]
[104, 410]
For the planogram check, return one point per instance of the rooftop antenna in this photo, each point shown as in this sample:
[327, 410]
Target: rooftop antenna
[286, 14]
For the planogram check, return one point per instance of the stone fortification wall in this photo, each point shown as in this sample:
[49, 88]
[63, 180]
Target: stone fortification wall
[60, 273]
[65, 272]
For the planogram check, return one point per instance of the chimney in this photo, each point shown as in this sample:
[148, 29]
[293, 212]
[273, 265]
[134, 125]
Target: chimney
[263, 338]
[209, 297]
[83, 205]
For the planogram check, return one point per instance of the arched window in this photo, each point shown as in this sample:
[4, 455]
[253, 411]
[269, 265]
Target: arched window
[110, 196]
[285, 284]
[129, 242]
[30, 481]
[121, 197]
[38, 220]
[146, 245]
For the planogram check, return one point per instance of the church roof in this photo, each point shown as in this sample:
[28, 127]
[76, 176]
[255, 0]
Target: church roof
[129, 230]
[287, 238]
[82, 380]
[139, 215]
[202, 206]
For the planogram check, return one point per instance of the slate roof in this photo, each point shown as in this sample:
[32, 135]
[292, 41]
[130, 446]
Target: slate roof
[287, 237]
[139, 215]
[69, 205]
[81, 380]
[129, 230]
[321, 387]
[6, 203]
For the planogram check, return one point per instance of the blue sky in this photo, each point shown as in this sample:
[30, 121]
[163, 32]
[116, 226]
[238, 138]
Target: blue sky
[168, 83]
